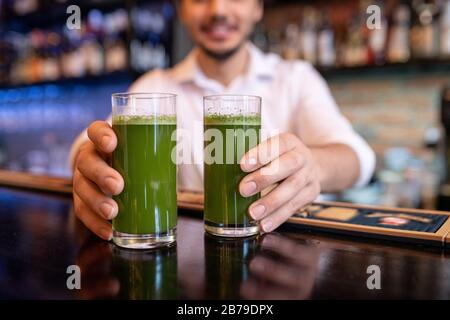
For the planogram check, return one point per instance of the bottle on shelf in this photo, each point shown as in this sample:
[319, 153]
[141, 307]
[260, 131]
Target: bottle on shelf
[399, 50]
[425, 29]
[116, 56]
[50, 63]
[326, 52]
[93, 49]
[377, 38]
[308, 35]
[73, 63]
[445, 30]
[291, 44]
[354, 50]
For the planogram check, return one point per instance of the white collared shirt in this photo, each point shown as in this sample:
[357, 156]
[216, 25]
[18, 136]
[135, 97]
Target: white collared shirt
[295, 98]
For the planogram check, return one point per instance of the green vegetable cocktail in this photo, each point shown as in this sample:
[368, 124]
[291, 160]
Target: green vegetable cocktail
[144, 127]
[232, 126]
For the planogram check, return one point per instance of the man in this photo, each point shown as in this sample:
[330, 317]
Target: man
[319, 151]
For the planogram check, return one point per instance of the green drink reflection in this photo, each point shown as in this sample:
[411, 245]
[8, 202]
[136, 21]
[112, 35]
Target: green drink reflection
[227, 265]
[146, 275]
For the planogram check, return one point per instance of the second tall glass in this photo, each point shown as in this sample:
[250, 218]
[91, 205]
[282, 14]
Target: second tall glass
[232, 125]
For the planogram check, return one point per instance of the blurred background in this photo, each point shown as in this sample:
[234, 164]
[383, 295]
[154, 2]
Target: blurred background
[392, 82]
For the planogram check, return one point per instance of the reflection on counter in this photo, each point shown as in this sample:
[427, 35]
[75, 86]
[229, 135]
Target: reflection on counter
[227, 262]
[146, 274]
[41, 239]
[285, 268]
[111, 272]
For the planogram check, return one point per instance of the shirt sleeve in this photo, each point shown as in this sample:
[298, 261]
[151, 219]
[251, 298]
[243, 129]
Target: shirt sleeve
[318, 120]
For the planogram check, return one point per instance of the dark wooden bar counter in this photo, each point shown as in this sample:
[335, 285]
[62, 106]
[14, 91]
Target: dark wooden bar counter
[40, 239]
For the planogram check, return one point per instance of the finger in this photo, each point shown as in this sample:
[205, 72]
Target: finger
[304, 197]
[91, 220]
[97, 201]
[103, 136]
[280, 195]
[268, 151]
[277, 170]
[94, 168]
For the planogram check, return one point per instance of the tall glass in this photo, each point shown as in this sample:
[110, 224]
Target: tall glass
[232, 125]
[144, 124]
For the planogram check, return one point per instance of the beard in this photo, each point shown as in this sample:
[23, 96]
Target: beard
[222, 55]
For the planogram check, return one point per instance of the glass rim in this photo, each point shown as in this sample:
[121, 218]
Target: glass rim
[144, 95]
[232, 97]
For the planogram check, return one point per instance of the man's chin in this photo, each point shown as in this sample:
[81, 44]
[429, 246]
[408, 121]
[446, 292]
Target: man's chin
[220, 54]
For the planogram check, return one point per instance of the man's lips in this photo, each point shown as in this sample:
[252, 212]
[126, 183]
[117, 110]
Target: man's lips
[219, 32]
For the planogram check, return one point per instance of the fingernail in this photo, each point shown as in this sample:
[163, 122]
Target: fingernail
[107, 210]
[106, 233]
[257, 211]
[111, 184]
[248, 189]
[106, 142]
[267, 225]
[250, 163]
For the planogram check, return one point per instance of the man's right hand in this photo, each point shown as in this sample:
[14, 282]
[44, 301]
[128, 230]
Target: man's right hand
[94, 181]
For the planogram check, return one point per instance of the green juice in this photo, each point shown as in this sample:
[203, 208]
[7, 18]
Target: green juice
[148, 203]
[224, 206]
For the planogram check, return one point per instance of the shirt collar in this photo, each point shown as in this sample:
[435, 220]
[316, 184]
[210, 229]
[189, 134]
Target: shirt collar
[260, 65]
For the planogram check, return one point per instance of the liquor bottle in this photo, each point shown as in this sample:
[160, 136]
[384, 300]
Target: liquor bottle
[377, 39]
[291, 44]
[93, 53]
[93, 49]
[308, 35]
[50, 67]
[116, 57]
[355, 51]
[325, 43]
[399, 45]
[73, 60]
[445, 30]
[115, 54]
[425, 31]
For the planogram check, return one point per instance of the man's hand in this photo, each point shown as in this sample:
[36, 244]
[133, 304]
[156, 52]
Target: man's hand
[282, 159]
[94, 181]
